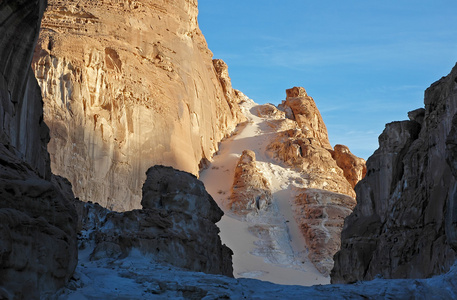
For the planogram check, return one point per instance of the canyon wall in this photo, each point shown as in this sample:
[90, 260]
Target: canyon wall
[127, 85]
[404, 224]
[37, 221]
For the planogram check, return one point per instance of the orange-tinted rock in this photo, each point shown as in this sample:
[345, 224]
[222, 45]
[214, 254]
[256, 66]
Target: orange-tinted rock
[354, 168]
[127, 85]
[296, 150]
[320, 215]
[250, 190]
[302, 108]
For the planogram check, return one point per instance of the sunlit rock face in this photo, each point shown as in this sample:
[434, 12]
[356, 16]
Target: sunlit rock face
[176, 225]
[38, 251]
[325, 195]
[404, 223]
[250, 190]
[302, 143]
[127, 85]
[354, 168]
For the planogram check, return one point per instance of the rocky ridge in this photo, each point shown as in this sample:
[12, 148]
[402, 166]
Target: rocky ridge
[127, 85]
[404, 223]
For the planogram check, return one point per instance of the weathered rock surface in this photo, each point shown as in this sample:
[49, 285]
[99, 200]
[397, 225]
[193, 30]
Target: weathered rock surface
[294, 149]
[302, 108]
[38, 251]
[250, 190]
[328, 176]
[127, 85]
[404, 223]
[354, 168]
[175, 226]
[320, 215]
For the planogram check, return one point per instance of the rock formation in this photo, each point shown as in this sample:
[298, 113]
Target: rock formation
[304, 145]
[320, 215]
[250, 190]
[175, 226]
[354, 168]
[127, 85]
[404, 223]
[302, 108]
[326, 195]
[38, 251]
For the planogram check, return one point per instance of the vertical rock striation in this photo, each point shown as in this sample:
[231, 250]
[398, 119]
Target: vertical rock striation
[127, 85]
[37, 222]
[404, 223]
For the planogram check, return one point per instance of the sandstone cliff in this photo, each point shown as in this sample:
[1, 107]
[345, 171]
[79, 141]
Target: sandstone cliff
[37, 222]
[404, 223]
[127, 85]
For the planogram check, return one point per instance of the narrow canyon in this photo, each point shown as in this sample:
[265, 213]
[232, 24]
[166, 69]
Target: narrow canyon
[131, 169]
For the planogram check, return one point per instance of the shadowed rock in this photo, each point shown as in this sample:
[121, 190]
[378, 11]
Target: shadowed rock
[38, 251]
[404, 223]
[175, 226]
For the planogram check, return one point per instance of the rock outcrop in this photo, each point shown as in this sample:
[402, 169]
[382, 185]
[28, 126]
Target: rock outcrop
[250, 189]
[404, 223]
[38, 251]
[304, 145]
[175, 226]
[127, 85]
[320, 215]
[354, 168]
[302, 108]
[326, 193]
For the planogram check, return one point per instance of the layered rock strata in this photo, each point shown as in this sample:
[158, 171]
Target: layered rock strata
[320, 215]
[175, 226]
[128, 85]
[404, 223]
[38, 251]
[250, 190]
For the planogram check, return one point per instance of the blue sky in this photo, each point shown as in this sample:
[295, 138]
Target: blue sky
[365, 63]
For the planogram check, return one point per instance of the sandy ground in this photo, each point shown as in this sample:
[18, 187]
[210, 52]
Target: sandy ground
[267, 246]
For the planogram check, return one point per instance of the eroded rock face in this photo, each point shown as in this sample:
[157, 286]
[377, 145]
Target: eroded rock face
[175, 226]
[404, 223]
[38, 251]
[250, 190]
[128, 85]
[354, 168]
[293, 148]
[320, 215]
[302, 108]
[324, 193]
